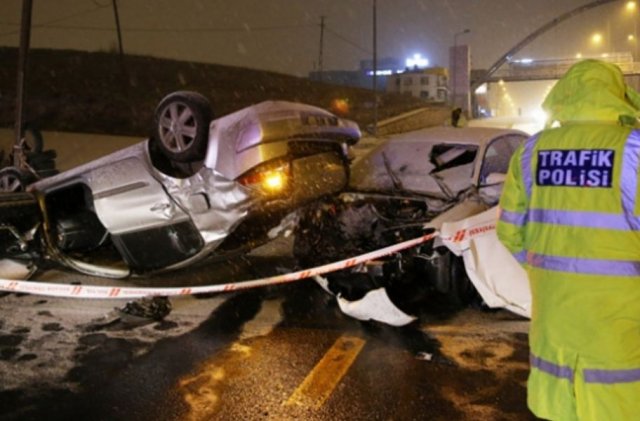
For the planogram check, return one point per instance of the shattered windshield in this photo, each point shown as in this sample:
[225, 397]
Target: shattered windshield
[454, 165]
[439, 169]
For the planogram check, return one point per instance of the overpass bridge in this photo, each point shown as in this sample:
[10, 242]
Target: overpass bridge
[518, 87]
[527, 70]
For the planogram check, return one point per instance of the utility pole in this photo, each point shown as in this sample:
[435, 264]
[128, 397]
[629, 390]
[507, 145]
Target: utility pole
[115, 13]
[375, 69]
[25, 35]
[120, 48]
[321, 48]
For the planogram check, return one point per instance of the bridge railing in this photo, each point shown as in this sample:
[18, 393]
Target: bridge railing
[554, 69]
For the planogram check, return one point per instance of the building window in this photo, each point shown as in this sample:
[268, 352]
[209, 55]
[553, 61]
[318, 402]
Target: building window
[408, 81]
[424, 94]
[440, 94]
[397, 81]
[424, 80]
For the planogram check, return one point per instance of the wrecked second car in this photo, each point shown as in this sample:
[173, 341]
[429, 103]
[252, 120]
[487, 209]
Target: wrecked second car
[434, 179]
[196, 188]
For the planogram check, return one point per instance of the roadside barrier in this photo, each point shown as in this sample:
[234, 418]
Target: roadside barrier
[115, 292]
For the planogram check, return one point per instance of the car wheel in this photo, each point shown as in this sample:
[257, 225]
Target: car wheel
[461, 290]
[181, 126]
[31, 140]
[12, 180]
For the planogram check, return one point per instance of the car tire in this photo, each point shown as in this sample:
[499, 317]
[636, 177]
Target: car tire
[181, 126]
[31, 140]
[40, 162]
[461, 290]
[12, 180]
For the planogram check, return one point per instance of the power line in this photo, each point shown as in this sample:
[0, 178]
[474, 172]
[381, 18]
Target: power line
[348, 41]
[321, 52]
[70, 16]
[186, 30]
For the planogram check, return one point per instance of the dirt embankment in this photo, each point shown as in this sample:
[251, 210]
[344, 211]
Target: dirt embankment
[92, 92]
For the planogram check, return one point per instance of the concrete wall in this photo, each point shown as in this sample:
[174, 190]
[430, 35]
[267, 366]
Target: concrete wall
[414, 120]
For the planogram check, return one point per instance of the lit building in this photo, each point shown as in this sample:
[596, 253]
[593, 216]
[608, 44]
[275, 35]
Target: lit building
[429, 84]
[363, 77]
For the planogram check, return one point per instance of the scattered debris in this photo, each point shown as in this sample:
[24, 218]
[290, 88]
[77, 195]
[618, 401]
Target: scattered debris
[410, 185]
[424, 356]
[145, 310]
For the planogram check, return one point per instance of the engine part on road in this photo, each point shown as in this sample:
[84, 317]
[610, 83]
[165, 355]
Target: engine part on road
[145, 309]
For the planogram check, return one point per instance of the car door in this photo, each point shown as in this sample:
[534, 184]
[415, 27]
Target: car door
[146, 225]
[495, 164]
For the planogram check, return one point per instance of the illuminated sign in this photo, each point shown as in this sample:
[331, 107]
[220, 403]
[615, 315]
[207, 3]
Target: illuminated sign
[380, 72]
[417, 61]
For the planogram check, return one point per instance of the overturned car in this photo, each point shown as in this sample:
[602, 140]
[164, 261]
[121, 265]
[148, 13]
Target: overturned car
[196, 188]
[441, 179]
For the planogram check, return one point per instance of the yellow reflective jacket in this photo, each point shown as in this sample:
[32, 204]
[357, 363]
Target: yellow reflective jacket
[570, 214]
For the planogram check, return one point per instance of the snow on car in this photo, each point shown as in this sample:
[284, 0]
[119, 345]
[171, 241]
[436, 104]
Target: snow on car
[435, 179]
[196, 188]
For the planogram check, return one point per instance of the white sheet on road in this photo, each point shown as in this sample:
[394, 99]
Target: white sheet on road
[498, 277]
[375, 305]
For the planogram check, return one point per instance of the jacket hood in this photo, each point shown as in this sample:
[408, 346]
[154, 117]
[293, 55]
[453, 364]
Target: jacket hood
[592, 90]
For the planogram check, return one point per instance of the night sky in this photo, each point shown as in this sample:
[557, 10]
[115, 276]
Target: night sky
[283, 35]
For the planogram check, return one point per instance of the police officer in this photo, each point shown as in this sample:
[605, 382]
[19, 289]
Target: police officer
[570, 214]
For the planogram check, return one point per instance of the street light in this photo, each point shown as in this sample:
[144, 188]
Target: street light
[455, 64]
[631, 8]
[375, 69]
[455, 37]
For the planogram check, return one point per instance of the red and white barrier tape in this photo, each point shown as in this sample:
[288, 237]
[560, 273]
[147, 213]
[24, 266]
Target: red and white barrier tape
[470, 232]
[106, 292]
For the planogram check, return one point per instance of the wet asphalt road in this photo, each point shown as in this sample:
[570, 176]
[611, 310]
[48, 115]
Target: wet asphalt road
[279, 353]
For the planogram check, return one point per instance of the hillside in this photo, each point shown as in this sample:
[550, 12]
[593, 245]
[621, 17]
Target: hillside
[87, 92]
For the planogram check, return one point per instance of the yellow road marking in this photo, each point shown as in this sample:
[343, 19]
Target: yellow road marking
[325, 376]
